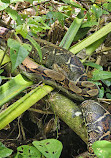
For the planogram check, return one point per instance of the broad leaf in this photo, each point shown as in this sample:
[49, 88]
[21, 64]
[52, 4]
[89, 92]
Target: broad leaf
[107, 6]
[108, 95]
[50, 148]
[6, 58]
[18, 52]
[1, 70]
[94, 65]
[99, 75]
[89, 24]
[92, 1]
[53, 16]
[14, 15]
[3, 6]
[4, 152]
[73, 3]
[30, 1]
[101, 92]
[97, 11]
[102, 149]
[26, 151]
[37, 24]
[22, 29]
[15, 1]
[107, 82]
[5, 1]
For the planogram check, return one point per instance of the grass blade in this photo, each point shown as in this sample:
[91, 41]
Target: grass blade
[91, 39]
[72, 31]
[13, 87]
[20, 106]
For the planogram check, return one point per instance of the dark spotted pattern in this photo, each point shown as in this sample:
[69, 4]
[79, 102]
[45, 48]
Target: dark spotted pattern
[98, 122]
[65, 71]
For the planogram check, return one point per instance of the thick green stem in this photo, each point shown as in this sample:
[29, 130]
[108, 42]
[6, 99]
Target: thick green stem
[71, 33]
[70, 113]
[91, 39]
[13, 87]
[20, 106]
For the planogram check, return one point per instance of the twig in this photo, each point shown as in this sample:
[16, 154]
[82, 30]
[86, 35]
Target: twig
[31, 6]
[104, 99]
[3, 56]
[40, 111]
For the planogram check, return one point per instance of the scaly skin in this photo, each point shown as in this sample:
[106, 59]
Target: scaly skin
[65, 71]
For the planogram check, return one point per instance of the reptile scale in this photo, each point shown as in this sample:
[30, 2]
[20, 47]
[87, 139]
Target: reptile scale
[64, 71]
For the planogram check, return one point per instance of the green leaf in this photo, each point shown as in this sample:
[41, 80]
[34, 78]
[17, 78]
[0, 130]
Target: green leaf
[50, 148]
[3, 6]
[66, 1]
[101, 92]
[53, 16]
[81, 33]
[18, 52]
[108, 90]
[107, 82]
[97, 83]
[75, 4]
[26, 151]
[5, 1]
[22, 29]
[92, 1]
[30, 1]
[1, 70]
[108, 95]
[6, 58]
[107, 6]
[12, 88]
[91, 39]
[97, 11]
[91, 48]
[14, 15]
[24, 103]
[36, 45]
[94, 65]
[4, 152]
[37, 24]
[0, 79]
[72, 31]
[27, 46]
[102, 149]
[99, 75]
[15, 1]
[89, 24]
